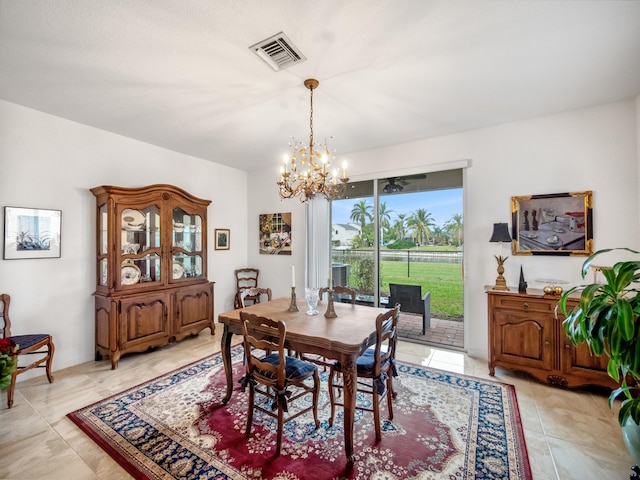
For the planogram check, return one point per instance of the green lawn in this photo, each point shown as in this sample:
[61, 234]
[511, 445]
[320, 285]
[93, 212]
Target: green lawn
[443, 280]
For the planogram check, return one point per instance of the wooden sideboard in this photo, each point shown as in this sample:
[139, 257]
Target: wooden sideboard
[524, 335]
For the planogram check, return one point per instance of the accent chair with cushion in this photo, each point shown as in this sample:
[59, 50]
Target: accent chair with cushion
[274, 379]
[39, 345]
[375, 369]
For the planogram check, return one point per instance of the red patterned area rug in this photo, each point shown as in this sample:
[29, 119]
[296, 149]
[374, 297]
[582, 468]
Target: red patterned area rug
[445, 426]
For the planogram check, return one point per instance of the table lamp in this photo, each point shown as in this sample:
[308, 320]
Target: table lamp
[500, 234]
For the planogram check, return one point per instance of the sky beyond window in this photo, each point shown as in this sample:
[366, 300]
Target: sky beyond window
[441, 204]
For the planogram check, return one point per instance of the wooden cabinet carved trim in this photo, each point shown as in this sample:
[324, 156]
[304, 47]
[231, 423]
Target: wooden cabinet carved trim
[524, 335]
[151, 268]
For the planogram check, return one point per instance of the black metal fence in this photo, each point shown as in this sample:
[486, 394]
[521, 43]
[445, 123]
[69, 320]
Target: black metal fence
[347, 256]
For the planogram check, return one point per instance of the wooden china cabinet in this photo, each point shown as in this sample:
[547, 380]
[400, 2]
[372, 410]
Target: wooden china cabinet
[151, 268]
[524, 335]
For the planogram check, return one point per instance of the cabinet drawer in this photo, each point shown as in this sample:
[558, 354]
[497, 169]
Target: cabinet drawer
[526, 304]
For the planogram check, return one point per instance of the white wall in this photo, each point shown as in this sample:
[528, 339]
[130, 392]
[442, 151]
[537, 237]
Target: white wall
[592, 149]
[48, 162]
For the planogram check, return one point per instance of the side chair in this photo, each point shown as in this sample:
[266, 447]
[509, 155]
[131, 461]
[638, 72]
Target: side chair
[375, 369]
[40, 344]
[245, 278]
[344, 292]
[255, 294]
[278, 379]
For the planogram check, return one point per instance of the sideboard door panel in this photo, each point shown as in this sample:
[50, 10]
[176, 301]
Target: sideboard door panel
[144, 321]
[523, 340]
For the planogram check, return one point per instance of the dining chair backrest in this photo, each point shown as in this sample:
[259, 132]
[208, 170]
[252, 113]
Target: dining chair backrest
[386, 338]
[245, 278]
[255, 294]
[262, 334]
[343, 292]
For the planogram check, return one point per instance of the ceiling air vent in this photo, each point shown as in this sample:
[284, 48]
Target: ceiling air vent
[278, 51]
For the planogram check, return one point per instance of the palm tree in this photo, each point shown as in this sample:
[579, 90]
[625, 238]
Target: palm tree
[420, 223]
[399, 226]
[384, 215]
[361, 212]
[455, 227]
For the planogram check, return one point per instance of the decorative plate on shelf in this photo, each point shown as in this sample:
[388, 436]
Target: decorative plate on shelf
[129, 274]
[133, 219]
[178, 270]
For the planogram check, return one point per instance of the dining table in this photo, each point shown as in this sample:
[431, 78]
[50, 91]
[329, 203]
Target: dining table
[342, 338]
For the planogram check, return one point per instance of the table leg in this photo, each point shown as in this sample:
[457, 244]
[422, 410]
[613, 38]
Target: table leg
[350, 387]
[225, 349]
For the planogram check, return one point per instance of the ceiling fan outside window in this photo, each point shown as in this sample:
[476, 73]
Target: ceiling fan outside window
[397, 184]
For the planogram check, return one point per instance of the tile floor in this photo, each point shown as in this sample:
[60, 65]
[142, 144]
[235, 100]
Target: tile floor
[569, 434]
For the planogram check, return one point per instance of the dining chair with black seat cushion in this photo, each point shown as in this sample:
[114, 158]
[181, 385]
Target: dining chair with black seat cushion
[342, 291]
[245, 278]
[255, 294]
[275, 376]
[375, 369]
[39, 344]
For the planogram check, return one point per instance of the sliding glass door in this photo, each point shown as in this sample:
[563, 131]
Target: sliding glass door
[399, 239]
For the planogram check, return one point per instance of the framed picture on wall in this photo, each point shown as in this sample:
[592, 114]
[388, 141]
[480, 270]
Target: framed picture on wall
[554, 224]
[223, 239]
[275, 234]
[31, 233]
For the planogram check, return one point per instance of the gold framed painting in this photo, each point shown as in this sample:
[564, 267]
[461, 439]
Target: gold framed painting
[552, 224]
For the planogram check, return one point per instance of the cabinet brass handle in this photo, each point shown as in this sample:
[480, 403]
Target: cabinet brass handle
[525, 305]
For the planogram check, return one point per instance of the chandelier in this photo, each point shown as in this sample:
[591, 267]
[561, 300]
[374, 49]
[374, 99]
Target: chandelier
[307, 171]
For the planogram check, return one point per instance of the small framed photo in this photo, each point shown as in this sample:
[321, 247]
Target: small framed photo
[31, 233]
[555, 224]
[223, 238]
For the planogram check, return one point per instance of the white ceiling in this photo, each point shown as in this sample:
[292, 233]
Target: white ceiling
[179, 73]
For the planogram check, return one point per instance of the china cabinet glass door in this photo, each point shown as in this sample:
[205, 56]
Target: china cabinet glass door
[186, 245]
[140, 245]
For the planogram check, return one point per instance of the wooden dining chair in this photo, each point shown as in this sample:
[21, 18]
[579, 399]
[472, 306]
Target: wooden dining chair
[246, 278]
[254, 294]
[344, 292]
[375, 369]
[278, 379]
[39, 344]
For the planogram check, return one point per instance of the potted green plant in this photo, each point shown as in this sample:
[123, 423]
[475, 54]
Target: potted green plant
[606, 318]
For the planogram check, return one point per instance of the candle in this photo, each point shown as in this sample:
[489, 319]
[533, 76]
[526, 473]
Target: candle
[330, 277]
[344, 169]
[293, 275]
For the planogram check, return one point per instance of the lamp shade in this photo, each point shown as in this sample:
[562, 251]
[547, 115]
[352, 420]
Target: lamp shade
[500, 233]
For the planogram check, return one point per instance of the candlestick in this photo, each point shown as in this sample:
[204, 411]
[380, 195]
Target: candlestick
[330, 313]
[293, 306]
